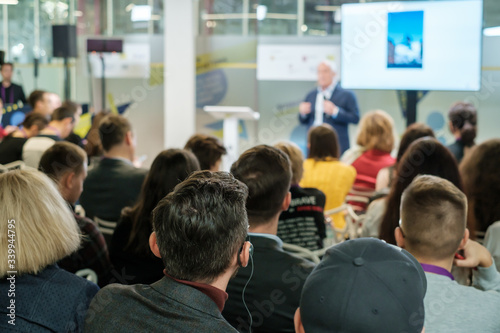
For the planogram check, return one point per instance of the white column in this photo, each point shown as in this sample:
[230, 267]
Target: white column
[179, 73]
[109, 17]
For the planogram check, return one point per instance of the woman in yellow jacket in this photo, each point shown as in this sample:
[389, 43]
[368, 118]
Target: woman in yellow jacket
[322, 170]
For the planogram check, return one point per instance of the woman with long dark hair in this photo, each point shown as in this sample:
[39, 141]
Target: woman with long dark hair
[426, 156]
[129, 250]
[479, 170]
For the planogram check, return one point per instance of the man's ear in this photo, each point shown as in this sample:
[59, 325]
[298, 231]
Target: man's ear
[68, 121]
[400, 240]
[464, 240]
[244, 254]
[286, 201]
[67, 180]
[297, 322]
[129, 138]
[153, 245]
[450, 126]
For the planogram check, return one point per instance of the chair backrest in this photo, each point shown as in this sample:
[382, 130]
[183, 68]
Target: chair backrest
[88, 274]
[352, 227]
[301, 252]
[107, 229]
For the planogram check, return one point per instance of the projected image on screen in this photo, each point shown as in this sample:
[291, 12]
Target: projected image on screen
[405, 32]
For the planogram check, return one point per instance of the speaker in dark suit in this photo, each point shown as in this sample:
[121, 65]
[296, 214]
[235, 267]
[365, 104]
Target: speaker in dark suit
[345, 105]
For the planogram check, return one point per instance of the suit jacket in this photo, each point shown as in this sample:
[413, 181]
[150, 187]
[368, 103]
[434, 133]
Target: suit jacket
[164, 306]
[273, 293]
[13, 94]
[346, 101]
[51, 301]
[112, 185]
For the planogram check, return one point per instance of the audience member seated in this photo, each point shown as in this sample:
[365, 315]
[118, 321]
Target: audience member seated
[93, 146]
[375, 142]
[322, 170]
[73, 137]
[303, 223]
[62, 123]
[66, 164]
[463, 121]
[199, 232]
[363, 286]
[208, 150]
[413, 132]
[38, 227]
[115, 182]
[44, 102]
[129, 248]
[479, 170]
[272, 286]
[433, 229]
[376, 209]
[11, 148]
[425, 156]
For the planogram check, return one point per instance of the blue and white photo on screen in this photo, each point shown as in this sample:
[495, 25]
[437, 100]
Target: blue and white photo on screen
[405, 31]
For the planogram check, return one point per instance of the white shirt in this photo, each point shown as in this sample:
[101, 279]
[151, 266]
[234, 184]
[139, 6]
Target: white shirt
[321, 96]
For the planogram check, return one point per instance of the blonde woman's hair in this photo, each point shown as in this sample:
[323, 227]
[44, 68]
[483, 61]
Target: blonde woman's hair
[376, 131]
[296, 159]
[45, 230]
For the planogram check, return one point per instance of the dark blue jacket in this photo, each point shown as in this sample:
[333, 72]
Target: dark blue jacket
[111, 186]
[273, 293]
[346, 101]
[51, 301]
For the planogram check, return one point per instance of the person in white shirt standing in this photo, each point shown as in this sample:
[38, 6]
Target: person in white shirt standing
[330, 103]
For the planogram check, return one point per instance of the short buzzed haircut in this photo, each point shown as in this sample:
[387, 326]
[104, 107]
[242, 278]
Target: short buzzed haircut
[267, 173]
[63, 112]
[35, 96]
[61, 158]
[201, 226]
[434, 217]
[207, 149]
[112, 130]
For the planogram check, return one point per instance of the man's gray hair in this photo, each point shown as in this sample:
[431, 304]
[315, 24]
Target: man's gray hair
[331, 64]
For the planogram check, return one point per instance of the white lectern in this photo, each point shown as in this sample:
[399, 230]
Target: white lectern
[231, 116]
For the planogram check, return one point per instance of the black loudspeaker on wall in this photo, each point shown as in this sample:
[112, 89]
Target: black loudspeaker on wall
[64, 41]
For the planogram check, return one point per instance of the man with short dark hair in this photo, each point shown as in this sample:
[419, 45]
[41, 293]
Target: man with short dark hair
[363, 285]
[273, 292]
[10, 93]
[208, 150]
[66, 164]
[433, 229]
[63, 121]
[44, 102]
[199, 232]
[115, 182]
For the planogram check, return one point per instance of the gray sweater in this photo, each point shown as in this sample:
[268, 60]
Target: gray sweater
[450, 307]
